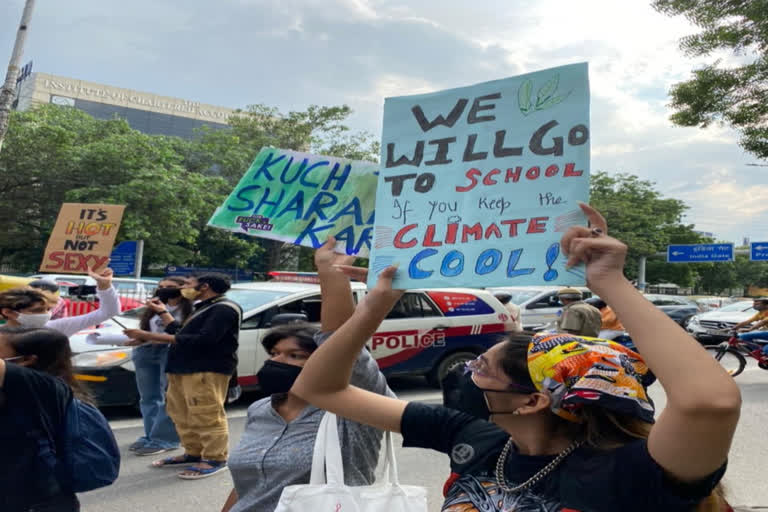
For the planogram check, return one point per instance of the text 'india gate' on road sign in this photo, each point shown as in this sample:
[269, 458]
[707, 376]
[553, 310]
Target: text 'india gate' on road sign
[699, 253]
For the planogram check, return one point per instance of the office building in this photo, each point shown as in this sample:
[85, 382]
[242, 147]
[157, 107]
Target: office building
[145, 112]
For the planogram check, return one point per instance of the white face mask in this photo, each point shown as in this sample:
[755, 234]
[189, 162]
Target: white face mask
[33, 320]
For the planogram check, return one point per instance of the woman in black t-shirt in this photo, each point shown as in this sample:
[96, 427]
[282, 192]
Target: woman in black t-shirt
[572, 428]
[36, 387]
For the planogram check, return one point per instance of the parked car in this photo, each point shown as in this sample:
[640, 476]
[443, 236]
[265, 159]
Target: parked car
[707, 327]
[539, 305]
[711, 303]
[80, 291]
[428, 332]
[679, 309]
[10, 282]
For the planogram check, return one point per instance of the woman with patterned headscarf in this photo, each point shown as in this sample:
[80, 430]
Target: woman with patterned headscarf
[571, 425]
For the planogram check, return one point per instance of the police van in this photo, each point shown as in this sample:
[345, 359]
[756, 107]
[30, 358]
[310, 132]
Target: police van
[427, 333]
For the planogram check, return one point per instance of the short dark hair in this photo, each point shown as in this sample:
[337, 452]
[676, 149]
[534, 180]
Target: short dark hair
[304, 333]
[21, 298]
[219, 283]
[44, 284]
[51, 348]
[504, 298]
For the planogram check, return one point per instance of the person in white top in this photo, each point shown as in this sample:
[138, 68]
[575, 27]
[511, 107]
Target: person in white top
[27, 307]
[150, 360]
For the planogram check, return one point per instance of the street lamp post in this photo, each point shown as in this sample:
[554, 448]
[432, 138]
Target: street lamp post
[6, 93]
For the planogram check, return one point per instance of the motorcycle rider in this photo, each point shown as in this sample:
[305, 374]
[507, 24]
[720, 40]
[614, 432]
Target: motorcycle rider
[758, 320]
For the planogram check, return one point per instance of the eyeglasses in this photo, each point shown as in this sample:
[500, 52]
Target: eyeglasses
[480, 367]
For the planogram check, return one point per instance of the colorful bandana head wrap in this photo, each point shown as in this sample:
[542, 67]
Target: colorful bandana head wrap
[577, 371]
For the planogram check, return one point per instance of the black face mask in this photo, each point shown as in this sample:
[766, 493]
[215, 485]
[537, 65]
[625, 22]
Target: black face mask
[277, 377]
[461, 393]
[166, 294]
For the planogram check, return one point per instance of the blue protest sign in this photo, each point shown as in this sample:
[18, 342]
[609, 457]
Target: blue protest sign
[478, 184]
[699, 253]
[122, 261]
[758, 251]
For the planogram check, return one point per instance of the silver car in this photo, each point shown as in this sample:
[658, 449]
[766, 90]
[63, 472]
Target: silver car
[712, 326]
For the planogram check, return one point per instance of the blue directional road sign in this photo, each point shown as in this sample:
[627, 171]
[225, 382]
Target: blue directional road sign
[758, 251]
[123, 258]
[699, 253]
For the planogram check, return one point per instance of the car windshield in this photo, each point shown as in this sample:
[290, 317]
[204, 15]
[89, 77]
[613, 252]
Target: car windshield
[745, 306]
[247, 299]
[520, 296]
[669, 300]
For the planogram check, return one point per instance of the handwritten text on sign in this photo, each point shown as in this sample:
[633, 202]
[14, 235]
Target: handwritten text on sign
[82, 237]
[478, 184]
[302, 199]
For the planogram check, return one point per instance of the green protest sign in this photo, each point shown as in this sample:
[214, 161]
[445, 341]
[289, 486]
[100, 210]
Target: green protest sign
[302, 199]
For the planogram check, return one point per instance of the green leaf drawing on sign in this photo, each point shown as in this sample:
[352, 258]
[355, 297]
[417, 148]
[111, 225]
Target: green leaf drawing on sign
[547, 90]
[524, 97]
[551, 102]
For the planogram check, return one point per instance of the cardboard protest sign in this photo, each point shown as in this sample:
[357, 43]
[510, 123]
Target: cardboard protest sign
[302, 199]
[82, 237]
[478, 184]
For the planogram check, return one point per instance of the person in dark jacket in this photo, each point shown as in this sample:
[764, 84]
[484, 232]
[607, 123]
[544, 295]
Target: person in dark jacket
[201, 360]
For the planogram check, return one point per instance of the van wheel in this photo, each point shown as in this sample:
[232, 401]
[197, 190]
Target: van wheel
[450, 362]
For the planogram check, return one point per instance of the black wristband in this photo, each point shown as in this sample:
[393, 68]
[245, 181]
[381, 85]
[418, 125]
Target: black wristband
[163, 312]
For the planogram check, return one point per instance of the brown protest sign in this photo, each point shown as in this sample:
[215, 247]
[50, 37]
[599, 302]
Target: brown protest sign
[82, 237]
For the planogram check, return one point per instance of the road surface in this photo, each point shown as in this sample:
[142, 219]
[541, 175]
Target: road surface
[144, 489]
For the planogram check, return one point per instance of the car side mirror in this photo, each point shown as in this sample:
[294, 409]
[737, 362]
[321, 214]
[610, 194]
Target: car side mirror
[287, 318]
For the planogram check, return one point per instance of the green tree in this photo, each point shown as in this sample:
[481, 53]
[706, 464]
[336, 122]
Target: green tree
[54, 155]
[737, 95]
[170, 186]
[646, 221]
[716, 278]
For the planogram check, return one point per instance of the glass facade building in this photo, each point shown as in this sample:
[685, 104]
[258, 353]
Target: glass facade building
[145, 112]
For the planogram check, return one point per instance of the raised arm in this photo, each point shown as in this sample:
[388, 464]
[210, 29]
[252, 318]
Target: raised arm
[335, 289]
[746, 322]
[692, 437]
[324, 380]
[759, 325]
[109, 306]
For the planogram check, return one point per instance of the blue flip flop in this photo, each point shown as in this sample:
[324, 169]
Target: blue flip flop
[216, 466]
[173, 461]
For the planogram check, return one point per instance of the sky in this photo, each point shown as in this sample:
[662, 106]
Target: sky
[294, 53]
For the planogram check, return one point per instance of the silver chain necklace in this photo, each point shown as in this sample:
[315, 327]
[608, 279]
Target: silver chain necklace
[502, 482]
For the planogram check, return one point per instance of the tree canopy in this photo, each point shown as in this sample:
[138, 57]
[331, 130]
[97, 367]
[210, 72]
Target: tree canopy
[170, 186]
[736, 95]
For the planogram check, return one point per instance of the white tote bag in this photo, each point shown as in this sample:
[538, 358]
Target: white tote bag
[334, 496]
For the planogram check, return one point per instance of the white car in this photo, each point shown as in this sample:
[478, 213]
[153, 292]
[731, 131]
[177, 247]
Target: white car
[539, 305]
[428, 332]
[711, 326]
[138, 289]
